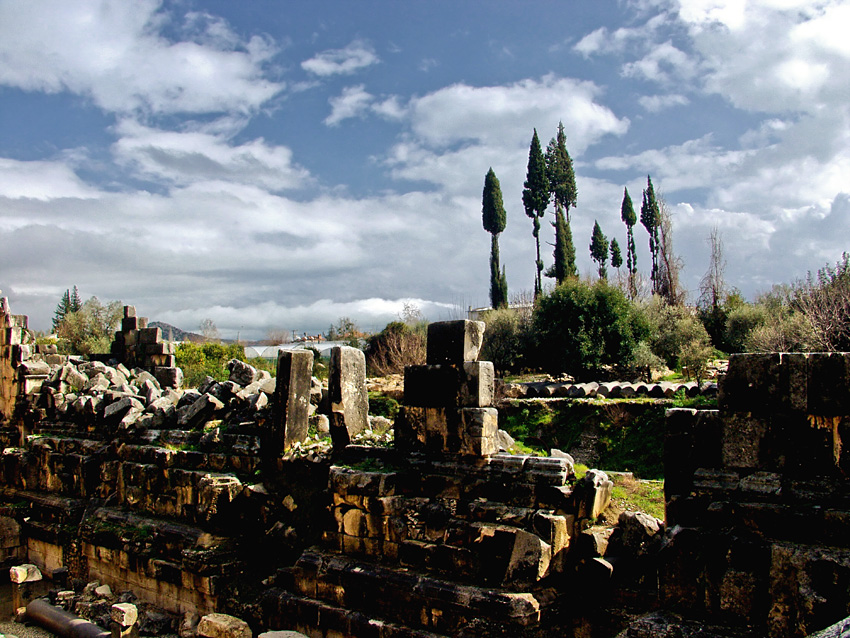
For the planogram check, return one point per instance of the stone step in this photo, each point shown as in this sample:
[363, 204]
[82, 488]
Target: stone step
[314, 617]
[408, 597]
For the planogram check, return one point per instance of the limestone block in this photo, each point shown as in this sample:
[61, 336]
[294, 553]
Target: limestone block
[828, 387]
[349, 400]
[743, 439]
[223, 626]
[282, 634]
[33, 367]
[454, 342]
[291, 398]
[596, 492]
[150, 335]
[125, 614]
[73, 377]
[241, 372]
[169, 377]
[199, 412]
[117, 410]
[26, 573]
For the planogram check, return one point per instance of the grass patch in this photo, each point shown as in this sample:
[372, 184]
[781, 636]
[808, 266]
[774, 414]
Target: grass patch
[382, 405]
[637, 496]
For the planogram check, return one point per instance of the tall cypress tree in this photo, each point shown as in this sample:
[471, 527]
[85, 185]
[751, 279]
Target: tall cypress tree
[535, 199]
[599, 250]
[651, 220]
[562, 187]
[616, 255]
[494, 218]
[627, 214]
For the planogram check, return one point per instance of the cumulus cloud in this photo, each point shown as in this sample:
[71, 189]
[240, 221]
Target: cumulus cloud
[116, 54]
[191, 156]
[353, 102]
[357, 55]
[44, 180]
[656, 103]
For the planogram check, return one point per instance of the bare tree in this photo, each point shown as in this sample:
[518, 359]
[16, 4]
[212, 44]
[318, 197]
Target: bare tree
[824, 299]
[669, 264]
[712, 287]
[210, 331]
[276, 336]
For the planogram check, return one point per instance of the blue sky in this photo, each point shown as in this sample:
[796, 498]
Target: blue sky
[277, 165]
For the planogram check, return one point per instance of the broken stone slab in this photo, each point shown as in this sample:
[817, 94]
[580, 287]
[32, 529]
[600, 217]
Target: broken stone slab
[634, 533]
[199, 412]
[596, 492]
[454, 341]
[291, 399]
[125, 614]
[26, 573]
[223, 626]
[117, 410]
[241, 372]
[349, 400]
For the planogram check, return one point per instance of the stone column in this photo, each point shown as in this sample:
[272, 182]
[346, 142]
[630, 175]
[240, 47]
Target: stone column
[291, 399]
[349, 401]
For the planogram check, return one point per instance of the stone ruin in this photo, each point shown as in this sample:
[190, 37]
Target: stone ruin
[113, 475]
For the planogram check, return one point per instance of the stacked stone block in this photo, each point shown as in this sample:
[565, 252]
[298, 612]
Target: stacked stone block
[137, 345]
[759, 496]
[448, 401]
[347, 396]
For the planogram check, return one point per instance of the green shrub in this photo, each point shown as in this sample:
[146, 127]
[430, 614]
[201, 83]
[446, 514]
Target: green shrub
[581, 327]
[505, 338]
[382, 405]
[199, 360]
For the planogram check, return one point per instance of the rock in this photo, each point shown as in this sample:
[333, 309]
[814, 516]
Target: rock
[635, 532]
[504, 440]
[26, 573]
[347, 392]
[241, 372]
[125, 614]
[104, 591]
[555, 453]
[189, 625]
[223, 626]
[199, 412]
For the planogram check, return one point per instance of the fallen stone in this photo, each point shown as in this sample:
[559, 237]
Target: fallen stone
[26, 573]
[241, 372]
[223, 626]
[125, 614]
[504, 440]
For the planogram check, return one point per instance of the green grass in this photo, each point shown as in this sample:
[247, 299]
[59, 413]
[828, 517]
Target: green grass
[638, 496]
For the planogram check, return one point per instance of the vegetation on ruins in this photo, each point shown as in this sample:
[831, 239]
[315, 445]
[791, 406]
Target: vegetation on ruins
[89, 329]
[562, 188]
[200, 360]
[535, 199]
[494, 219]
[401, 343]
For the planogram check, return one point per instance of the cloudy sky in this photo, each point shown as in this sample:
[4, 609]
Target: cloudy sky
[278, 165]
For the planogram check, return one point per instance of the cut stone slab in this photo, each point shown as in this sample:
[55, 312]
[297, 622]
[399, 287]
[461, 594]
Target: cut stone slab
[454, 341]
[349, 400]
[125, 614]
[292, 398]
[223, 626]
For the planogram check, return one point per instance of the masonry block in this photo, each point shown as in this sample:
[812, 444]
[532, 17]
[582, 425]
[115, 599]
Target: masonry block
[348, 398]
[454, 342]
[292, 398]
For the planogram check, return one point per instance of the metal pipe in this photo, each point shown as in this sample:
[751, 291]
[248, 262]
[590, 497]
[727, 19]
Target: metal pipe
[61, 622]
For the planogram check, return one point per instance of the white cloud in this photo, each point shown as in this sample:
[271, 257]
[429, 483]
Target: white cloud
[186, 157]
[664, 64]
[115, 53]
[43, 180]
[353, 102]
[656, 103]
[357, 55]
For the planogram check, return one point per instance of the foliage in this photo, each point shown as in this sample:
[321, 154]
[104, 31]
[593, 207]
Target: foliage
[89, 330]
[740, 322]
[398, 345]
[505, 339]
[535, 198]
[599, 250]
[382, 405]
[69, 303]
[616, 255]
[562, 187]
[199, 360]
[345, 330]
[627, 214]
[645, 361]
[580, 327]
[649, 218]
[823, 299]
[675, 331]
[494, 219]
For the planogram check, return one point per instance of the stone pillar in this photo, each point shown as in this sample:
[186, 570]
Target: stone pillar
[349, 401]
[448, 402]
[291, 399]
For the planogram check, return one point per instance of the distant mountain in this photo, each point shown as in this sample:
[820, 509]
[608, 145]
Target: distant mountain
[172, 333]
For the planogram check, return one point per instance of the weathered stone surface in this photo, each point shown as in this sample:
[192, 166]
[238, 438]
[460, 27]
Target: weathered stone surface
[292, 398]
[125, 614]
[223, 626]
[241, 372]
[349, 400]
[635, 532]
[199, 412]
[596, 494]
[454, 342]
[26, 573]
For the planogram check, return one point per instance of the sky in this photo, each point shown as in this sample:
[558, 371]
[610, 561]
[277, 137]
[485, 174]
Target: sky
[277, 165]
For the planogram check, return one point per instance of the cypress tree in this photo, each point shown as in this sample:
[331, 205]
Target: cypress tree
[627, 214]
[562, 187]
[599, 250]
[650, 219]
[616, 256]
[63, 308]
[494, 219]
[535, 199]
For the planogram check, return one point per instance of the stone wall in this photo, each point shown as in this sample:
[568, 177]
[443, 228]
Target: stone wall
[758, 497]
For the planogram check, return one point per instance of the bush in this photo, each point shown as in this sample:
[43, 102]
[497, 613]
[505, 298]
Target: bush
[505, 339]
[580, 327]
[89, 329]
[740, 324]
[398, 345]
[674, 329]
[199, 360]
